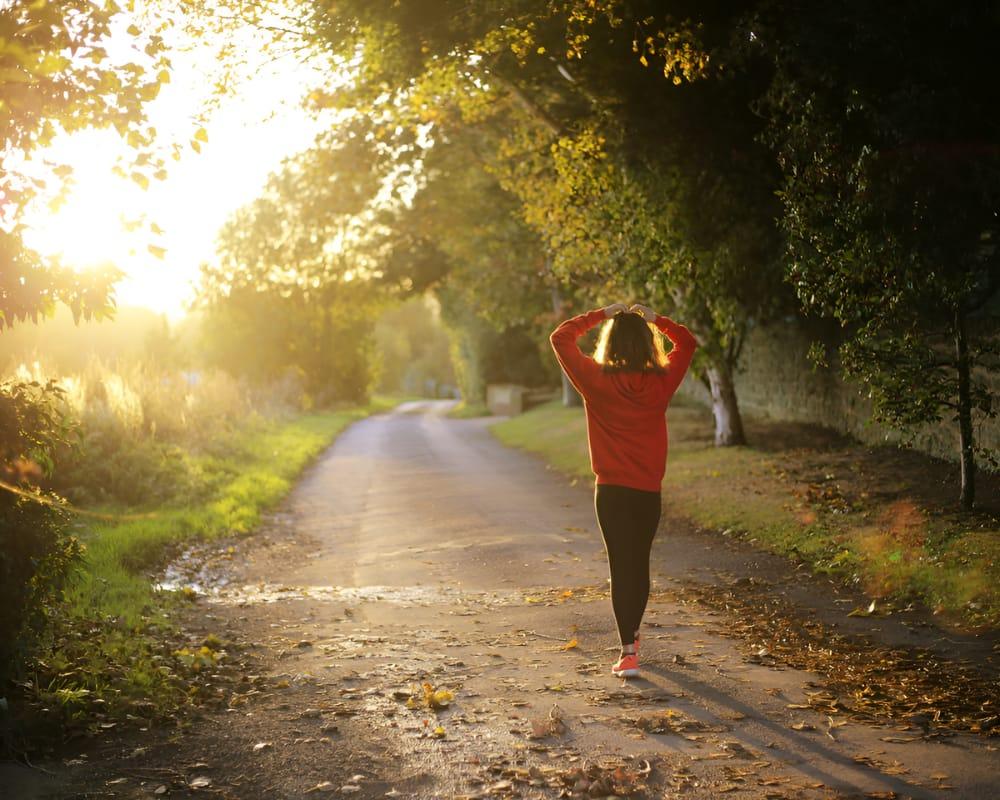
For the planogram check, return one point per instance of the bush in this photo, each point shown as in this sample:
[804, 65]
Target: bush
[36, 550]
[37, 554]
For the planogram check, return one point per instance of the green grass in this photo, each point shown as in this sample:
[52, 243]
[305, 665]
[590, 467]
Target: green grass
[463, 410]
[110, 647]
[786, 500]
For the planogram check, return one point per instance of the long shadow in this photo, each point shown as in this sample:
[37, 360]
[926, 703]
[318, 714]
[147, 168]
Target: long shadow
[698, 688]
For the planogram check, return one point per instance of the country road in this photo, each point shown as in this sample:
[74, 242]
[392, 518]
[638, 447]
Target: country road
[417, 550]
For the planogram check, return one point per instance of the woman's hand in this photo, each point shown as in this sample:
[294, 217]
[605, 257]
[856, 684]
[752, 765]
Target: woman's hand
[647, 313]
[614, 308]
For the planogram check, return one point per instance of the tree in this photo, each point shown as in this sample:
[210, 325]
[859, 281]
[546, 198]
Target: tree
[462, 239]
[56, 75]
[293, 285]
[885, 126]
[685, 219]
[413, 349]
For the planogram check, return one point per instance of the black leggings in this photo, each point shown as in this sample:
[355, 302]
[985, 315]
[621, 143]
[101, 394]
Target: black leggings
[628, 519]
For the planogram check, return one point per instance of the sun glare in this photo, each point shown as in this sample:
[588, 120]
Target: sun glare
[159, 236]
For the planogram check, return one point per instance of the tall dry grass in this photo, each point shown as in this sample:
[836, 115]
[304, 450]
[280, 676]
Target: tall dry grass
[143, 430]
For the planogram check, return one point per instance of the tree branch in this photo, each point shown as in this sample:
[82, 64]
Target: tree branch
[534, 110]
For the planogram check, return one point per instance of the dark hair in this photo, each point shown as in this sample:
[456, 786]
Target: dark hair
[627, 344]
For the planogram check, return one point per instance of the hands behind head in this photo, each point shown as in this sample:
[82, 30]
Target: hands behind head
[647, 313]
[644, 311]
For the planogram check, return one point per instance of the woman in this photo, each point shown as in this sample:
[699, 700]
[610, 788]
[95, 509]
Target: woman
[626, 388]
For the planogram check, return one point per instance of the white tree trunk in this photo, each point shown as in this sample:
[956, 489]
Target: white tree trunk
[725, 409]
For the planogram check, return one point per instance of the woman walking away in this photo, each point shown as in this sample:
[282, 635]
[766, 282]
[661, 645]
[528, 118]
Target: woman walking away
[626, 388]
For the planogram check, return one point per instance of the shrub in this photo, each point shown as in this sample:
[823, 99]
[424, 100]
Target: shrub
[37, 551]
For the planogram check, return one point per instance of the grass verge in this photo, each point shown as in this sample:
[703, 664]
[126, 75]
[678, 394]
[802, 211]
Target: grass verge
[882, 518]
[110, 654]
[463, 410]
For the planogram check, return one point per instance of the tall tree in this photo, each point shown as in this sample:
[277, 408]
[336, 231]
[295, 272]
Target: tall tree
[462, 238]
[633, 154]
[294, 279]
[884, 118]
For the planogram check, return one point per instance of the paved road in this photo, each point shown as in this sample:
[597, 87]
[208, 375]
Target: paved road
[418, 550]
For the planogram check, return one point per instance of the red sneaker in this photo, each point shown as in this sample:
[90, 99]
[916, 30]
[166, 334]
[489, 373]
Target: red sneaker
[627, 666]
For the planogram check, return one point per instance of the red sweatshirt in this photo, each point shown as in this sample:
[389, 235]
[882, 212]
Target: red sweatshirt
[625, 411]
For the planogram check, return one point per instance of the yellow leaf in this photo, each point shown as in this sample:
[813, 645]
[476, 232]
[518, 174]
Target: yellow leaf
[159, 252]
[643, 61]
[570, 644]
[441, 698]
[141, 179]
[149, 91]
[201, 135]
[438, 732]
[163, 76]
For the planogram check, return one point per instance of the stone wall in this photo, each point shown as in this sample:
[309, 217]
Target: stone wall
[776, 380]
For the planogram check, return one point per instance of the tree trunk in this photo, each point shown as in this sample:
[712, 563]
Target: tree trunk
[728, 422]
[968, 492]
[570, 396]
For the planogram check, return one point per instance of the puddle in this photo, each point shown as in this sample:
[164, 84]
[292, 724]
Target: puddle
[200, 568]
[250, 594]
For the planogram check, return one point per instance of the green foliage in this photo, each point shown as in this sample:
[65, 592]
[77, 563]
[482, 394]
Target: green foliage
[37, 550]
[294, 288]
[483, 265]
[33, 423]
[484, 354]
[37, 554]
[558, 103]
[890, 195]
[266, 336]
[413, 348]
